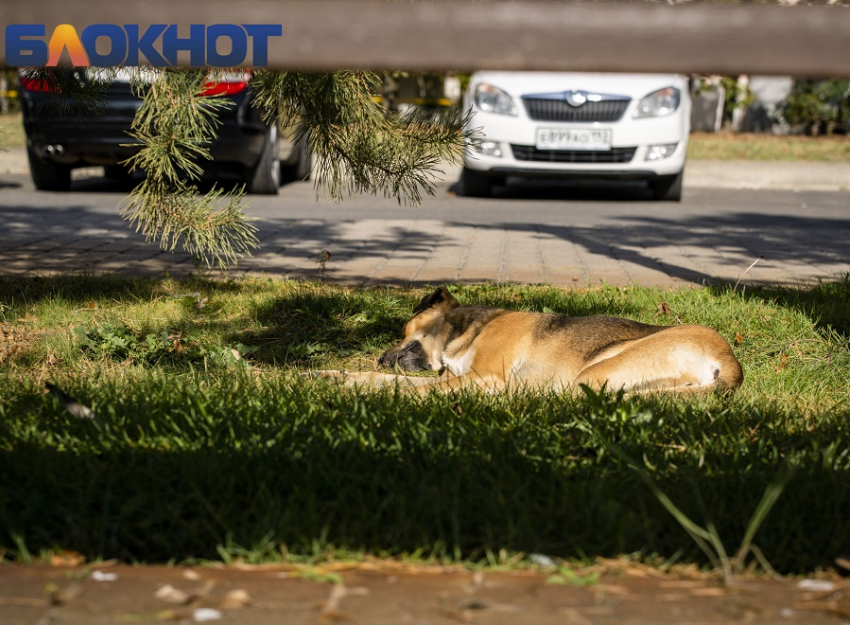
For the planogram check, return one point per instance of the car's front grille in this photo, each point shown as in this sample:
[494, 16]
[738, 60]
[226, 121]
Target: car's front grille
[558, 110]
[614, 155]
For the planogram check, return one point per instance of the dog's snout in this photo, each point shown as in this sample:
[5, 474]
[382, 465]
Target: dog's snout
[407, 357]
[388, 359]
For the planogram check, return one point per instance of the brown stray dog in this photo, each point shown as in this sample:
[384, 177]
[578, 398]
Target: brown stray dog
[493, 349]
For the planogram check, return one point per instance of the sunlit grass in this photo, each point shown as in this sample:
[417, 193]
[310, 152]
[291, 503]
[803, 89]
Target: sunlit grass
[727, 146]
[12, 131]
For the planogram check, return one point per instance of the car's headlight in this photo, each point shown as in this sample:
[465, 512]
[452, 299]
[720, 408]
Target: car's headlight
[491, 99]
[659, 103]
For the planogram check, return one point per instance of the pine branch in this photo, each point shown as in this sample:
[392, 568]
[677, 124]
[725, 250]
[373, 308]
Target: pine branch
[361, 147]
[70, 91]
[172, 129]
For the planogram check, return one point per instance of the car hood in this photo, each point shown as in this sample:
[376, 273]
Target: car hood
[633, 85]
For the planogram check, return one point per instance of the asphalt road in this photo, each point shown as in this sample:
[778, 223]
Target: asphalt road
[532, 231]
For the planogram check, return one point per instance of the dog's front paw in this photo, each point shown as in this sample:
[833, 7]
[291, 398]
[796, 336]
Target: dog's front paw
[325, 374]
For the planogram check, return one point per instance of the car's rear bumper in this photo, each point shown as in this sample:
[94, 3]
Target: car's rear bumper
[84, 139]
[82, 144]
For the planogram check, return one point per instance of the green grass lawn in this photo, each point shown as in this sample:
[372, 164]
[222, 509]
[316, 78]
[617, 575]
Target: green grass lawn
[207, 444]
[725, 146]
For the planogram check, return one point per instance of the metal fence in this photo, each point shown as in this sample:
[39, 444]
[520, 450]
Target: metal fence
[524, 35]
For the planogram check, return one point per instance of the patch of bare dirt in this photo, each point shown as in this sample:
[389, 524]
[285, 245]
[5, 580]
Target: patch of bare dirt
[391, 593]
[13, 341]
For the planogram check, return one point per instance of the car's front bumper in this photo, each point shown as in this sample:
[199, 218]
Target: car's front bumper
[631, 141]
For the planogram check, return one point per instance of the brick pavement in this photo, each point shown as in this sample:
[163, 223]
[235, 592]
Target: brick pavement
[462, 240]
[366, 252]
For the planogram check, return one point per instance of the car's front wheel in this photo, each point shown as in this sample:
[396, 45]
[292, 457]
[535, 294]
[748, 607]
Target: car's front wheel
[475, 184]
[668, 188]
[264, 177]
[47, 175]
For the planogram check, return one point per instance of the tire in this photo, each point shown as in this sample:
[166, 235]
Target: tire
[668, 189]
[47, 175]
[475, 184]
[264, 177]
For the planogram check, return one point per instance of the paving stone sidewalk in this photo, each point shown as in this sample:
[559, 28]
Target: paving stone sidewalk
[529, 237]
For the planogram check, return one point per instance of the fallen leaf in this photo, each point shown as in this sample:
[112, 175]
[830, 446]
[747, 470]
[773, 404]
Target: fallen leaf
[739, 338]
[333, 616]
[708, 592]
[663, 308]
[783, 363]
[236, 600]
[170, 594]
[67, 558]
[60, 596]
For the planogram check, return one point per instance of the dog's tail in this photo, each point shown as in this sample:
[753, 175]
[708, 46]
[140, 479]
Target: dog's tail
[729, 375]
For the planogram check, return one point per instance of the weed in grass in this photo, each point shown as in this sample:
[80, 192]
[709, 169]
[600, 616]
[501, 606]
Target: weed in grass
[324, 577]
[116, 341]
[570, 577]
[707, 538]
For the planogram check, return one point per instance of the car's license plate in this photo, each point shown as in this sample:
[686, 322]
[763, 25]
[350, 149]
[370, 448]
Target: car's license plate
[573, 139]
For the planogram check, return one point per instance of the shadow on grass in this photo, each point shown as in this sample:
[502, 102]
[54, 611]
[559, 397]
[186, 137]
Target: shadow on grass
[82, 288]
[304, 323]
[158, 478]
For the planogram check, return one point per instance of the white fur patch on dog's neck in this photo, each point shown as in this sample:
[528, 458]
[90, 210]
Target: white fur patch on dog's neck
[459, 366]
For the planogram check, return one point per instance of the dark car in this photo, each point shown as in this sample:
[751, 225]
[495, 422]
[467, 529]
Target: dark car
[247, 148]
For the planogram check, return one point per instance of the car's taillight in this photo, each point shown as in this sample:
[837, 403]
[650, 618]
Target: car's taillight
[227, 83]
[224, 88]
[39, 84]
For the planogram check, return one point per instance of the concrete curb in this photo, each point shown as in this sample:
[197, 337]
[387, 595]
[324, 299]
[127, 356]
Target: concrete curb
[787, 175]
[712, 174]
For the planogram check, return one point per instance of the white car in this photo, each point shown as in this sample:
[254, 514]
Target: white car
[587, 126]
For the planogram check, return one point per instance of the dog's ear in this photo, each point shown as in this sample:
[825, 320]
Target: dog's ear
[440, 297]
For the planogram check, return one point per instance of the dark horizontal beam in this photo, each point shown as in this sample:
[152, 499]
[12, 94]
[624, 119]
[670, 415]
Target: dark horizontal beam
[523, 35]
